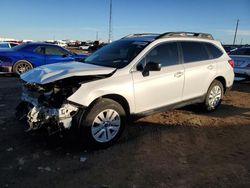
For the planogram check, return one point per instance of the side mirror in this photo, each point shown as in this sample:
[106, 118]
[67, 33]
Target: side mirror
[152, 66]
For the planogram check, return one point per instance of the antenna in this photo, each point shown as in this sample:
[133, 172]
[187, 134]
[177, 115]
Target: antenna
[236, 29]
[110, 22]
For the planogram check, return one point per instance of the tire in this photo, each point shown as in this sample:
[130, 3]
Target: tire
[21, 67]
[102, 125]
[214, 96]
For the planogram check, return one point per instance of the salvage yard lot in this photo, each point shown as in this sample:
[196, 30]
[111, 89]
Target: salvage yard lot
[179, 148]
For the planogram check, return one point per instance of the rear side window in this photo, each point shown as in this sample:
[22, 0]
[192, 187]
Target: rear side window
[165, 54]
[194, 51]
[214, 51]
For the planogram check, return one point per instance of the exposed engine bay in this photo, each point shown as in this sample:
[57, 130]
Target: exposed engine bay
[47, 106]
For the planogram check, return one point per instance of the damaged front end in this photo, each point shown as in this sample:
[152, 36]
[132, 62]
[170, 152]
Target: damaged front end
[46, 90]
[46, 106]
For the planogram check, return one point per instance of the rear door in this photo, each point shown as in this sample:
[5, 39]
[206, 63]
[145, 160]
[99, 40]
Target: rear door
[199, 69]
[55, 54]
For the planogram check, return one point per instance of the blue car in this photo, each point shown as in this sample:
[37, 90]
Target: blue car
[30, 55]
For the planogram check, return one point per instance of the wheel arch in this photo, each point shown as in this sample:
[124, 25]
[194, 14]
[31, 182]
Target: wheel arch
[117, 98]
[223, 82]
[22, 60]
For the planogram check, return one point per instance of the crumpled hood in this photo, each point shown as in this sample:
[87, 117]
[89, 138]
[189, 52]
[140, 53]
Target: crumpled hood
[53, 72]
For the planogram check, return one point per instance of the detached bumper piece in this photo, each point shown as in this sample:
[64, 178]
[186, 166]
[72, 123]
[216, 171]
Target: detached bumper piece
[53, 119]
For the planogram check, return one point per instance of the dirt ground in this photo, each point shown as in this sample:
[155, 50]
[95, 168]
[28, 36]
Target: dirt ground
[180, 148]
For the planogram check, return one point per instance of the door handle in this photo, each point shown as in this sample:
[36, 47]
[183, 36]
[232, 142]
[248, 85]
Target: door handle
[210, 67]
[178, 74]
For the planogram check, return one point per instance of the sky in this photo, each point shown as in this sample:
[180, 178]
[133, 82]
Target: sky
[83, 19]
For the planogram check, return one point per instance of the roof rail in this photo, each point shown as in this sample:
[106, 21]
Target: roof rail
[186, 34]
[140, 35]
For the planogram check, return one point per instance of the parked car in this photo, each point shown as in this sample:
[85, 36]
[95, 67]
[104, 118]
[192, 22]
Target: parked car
[30, 55]
[137, 75]
[229, 48]
[85, 46]
[8, 44]
[241, 59]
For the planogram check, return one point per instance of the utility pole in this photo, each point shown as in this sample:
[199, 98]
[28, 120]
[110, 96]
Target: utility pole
[110, 22]
[236, 29]
[97, 37]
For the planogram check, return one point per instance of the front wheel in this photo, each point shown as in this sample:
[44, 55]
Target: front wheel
[21, 67]
[214, 96]
[103, 123]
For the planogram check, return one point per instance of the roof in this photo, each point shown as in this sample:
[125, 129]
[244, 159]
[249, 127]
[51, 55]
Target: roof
[40, 43]
[153, 36]
[148, 37]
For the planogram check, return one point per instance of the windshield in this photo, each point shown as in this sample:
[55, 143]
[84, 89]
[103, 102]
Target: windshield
[117, 54]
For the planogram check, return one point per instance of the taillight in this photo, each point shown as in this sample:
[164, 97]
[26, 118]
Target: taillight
[248, 65]
[231, 62]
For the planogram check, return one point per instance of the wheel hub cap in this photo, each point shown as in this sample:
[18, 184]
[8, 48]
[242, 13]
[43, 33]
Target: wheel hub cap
[106, 125]
[214, 96]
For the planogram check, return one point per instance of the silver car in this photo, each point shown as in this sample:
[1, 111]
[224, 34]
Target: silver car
[138, 75]
[241, 59]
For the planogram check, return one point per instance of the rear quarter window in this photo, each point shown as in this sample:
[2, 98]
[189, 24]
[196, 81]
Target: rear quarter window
[194, 51]
[214, 52]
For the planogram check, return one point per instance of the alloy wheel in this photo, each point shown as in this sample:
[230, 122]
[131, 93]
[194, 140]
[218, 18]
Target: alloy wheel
[106, 125]
[215, 96]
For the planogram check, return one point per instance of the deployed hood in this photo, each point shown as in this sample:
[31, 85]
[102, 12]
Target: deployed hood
[53, 72]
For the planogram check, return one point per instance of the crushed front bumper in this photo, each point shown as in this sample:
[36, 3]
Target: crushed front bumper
[41, 116]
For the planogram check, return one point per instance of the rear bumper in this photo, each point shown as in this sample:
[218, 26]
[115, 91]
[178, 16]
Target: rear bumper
[242, 72]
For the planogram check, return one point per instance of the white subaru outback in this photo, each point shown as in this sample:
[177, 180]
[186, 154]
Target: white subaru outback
[139, 74]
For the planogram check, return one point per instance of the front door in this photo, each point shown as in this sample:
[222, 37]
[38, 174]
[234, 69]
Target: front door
[56, 54]
[159, 88]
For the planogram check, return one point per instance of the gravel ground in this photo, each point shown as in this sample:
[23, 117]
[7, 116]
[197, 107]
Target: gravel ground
[179, 148]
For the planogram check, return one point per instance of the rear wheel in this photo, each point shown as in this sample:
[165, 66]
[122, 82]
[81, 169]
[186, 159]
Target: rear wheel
[21, 67]
[214, 96]
[103, 123]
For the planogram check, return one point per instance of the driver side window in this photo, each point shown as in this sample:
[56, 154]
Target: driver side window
[165, 54]
[51, 50]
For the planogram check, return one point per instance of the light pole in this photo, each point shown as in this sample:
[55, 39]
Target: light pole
[236, 29]
[110, 22]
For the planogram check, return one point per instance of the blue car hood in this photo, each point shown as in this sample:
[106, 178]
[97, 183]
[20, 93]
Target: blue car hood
[53, 72]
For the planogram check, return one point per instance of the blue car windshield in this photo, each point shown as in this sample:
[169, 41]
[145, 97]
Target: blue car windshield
[117, 54]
